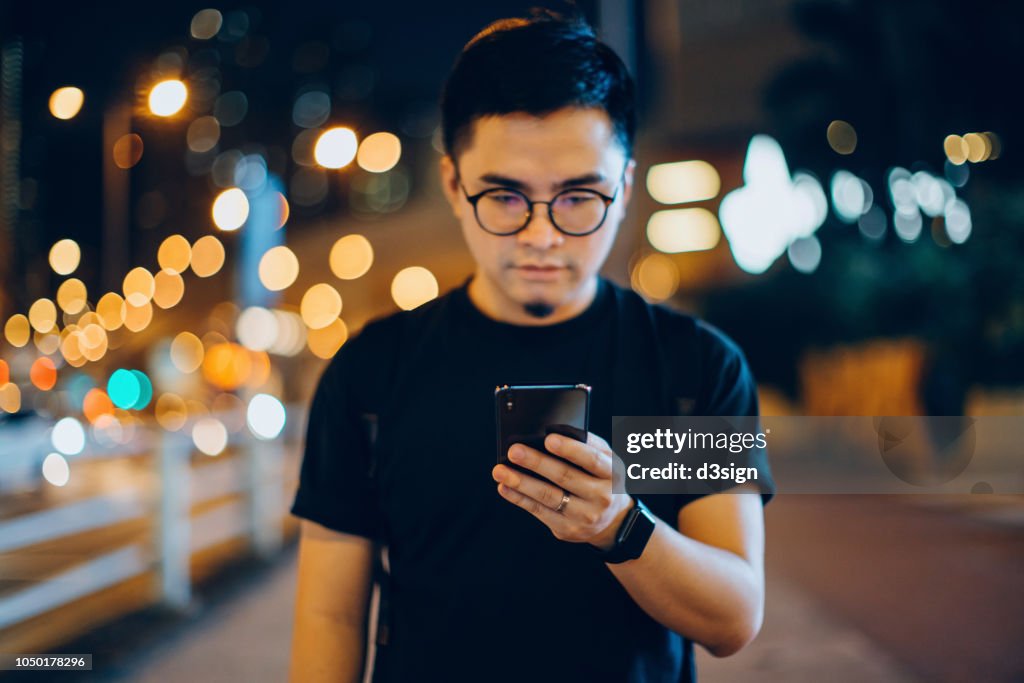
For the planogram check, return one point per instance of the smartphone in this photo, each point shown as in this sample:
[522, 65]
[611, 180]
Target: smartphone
[526, 414]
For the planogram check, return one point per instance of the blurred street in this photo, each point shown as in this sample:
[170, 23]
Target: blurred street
[860, 588]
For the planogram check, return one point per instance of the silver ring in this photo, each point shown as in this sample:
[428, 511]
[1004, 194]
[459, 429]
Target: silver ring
[565, 501]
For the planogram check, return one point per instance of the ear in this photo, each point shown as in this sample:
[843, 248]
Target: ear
[627, 182]
[450, 185]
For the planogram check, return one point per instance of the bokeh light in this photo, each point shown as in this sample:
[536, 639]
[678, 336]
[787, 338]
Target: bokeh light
[65, 103]
[257, 328]
[842, 137]
[227, 366]
[210, 436]
[167, 97]
[43, 315]
[230, 209]
[321, 305]
[325, 342]
[138, 287]
[68, 437]
[683, 181]
[171, 412]
[145, 390]
[655, 277]
[678, 230]
[805, 254]
[205, 24]
[335, 148]
[956, 149]
[65, 256]
[168, 288]
[124, 389]
[265, 416]
[10, 397]
[72, 296]
[5, 372]
[207, 256]
[279, 268]
[175, 254]
[187, 352]
[413, 287]
[43, 373]
[351, 257]
[111, 310]
[17, 330]
[379, 152]
[56, 470]
[96, 404]
[128, 150]
[203, 134]
[138, 318]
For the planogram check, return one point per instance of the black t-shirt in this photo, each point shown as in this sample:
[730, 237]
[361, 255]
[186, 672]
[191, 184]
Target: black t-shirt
[400, 447]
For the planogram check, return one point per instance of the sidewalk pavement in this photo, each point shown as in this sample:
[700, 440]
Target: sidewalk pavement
[248, 639]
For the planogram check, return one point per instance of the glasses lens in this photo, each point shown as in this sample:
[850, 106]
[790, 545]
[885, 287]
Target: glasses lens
[578, 211]
[502, 211]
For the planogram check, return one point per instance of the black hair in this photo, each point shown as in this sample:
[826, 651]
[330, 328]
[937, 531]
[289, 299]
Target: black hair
[536, 65]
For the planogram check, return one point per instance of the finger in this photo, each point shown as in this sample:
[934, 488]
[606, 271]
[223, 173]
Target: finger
[555, 470]
[587, 456]
[553, 520]
[544, 493]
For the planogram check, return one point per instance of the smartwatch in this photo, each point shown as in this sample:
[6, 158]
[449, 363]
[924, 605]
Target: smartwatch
[632, 536]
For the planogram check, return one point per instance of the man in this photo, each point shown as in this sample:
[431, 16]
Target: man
[494, 575]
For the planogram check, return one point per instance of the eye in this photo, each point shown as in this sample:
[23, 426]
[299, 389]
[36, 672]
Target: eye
[505, 198]
[576, 198]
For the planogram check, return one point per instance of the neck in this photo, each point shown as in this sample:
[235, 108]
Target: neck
[495, 304]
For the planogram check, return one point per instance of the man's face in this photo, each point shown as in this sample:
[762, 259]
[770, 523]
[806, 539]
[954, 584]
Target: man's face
[538, 267]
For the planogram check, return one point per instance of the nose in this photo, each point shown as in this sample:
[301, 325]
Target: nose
[540, 233]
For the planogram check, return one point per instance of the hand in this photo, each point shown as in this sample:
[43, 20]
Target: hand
[592, 514]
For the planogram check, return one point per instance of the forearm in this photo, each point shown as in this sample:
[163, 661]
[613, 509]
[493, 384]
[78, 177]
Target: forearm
[710, 595]
[326, 649]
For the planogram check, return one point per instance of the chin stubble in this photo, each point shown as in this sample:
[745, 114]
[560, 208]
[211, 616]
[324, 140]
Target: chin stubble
[538, 309]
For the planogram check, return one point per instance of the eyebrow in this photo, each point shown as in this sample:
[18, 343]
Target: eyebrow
[505, 181]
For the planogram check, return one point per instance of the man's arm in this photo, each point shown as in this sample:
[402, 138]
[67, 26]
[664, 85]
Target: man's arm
[334, 581]
[706, 579]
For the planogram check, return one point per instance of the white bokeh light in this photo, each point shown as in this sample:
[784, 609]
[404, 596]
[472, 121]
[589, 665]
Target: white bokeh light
[68, 436]
[56, 470]
[210, 436]
[266, 416]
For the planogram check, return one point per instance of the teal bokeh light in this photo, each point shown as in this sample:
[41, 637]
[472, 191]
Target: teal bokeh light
[145, 390]
[124, 389]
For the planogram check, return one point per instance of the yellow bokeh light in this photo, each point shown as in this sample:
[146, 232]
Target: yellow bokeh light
[283, 210]
[167, 97]
[978, 147]
[279, 268]
[321, 306]
[171, 412]
[187, 352]
[70, 348]
[230, 209]
[128, 150]
[379, 152]
[111, 310]
[93, 342]
[72, 296]
[677, 230]
[956, 149]
[18, 330]
[683, 181]
[175, 254]
[335, 148]
[324, 343]
[10, 398]
[413, 287]
[65, 256]
[227, 366]
[168, 289]
[203, 134]
[205, 24]
[842, 137]
[207, 256]
[43, 315]
[66, 102]
[351, 256]
[47, 342]
[138, 287]
[137, 318]
[656, 277]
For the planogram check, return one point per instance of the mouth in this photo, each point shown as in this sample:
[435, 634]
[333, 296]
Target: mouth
[537, 272]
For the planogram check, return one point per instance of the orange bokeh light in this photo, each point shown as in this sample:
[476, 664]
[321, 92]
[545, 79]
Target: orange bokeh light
[96, 405]
[43, 374]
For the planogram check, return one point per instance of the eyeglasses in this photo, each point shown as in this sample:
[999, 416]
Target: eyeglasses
[576, 211]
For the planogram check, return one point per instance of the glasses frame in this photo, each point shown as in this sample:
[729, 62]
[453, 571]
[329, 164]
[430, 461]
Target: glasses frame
[475, 198]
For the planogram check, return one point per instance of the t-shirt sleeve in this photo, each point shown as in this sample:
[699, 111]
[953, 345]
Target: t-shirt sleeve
[728, 388]
[335, 485]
